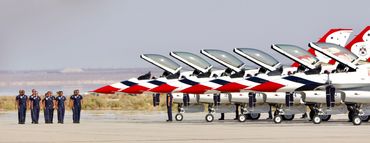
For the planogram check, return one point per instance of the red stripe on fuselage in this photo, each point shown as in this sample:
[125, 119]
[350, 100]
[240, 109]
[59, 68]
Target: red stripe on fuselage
[135, 89]
[106, 90]
[164, 88]
[196, 89]
[231, 87]
[268, 87]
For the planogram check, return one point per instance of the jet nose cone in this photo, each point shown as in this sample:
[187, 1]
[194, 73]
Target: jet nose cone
[106, 90]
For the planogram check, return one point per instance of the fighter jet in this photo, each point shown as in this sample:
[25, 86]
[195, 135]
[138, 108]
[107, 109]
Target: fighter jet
[132, 85]
[302, 58]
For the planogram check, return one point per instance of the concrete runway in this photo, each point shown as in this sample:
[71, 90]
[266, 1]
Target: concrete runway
[114, 126]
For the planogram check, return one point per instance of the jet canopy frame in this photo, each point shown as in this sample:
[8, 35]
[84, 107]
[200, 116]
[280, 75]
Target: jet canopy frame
[336, 52]
[297, 54]
[192, 60]
[162, 62]
[224, 58]
[259, 57]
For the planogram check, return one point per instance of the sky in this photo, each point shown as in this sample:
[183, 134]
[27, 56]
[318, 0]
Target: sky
[57, 34]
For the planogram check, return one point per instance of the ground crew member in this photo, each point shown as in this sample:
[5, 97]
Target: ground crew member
[75, 103]
[270, 113]
[169, 106]
[21, 104]
[60, 100]
[35, 106]
[237, 105]
[48, 105]
[216, 100]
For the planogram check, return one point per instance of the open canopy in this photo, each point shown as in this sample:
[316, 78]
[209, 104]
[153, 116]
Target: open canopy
[258, 57]
[224, 58]
[162, 62]
[336, 52]
[192, 60]
[297, 54]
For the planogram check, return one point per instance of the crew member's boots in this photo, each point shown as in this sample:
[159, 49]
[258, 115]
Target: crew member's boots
[222, 116]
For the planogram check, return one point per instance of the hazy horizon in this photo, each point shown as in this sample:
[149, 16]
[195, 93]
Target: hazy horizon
[58, 34]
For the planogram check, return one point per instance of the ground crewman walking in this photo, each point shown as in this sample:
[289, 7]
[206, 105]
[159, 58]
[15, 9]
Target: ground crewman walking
[34, 100]
[60, 100]
[21, 103]
[75, 103]
[48, 105]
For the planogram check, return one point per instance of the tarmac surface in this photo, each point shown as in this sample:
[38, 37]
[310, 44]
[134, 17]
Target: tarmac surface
[115, 126]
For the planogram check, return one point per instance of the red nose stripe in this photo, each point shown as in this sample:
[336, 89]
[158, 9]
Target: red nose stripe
[106, 90]
[135, 89]
[164, 88]
[196, 89]
[231, 87]
[268, 87]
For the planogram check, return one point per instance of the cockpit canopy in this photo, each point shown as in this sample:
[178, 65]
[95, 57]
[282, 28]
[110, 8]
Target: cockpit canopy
[162, 62]
[224, 58]
[192, 60]
[338, 53]
[258, 57]
[297, 54]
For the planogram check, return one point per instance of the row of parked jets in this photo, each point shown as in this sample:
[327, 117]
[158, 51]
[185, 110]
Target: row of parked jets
[331, 77]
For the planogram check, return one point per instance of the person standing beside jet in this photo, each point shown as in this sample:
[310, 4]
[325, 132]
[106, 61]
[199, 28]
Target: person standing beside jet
[60, 102]
[270, 113]
[21, 104]
[75, 103]
[237, 105]
[34, 100]
[48, 105]
[169, 106]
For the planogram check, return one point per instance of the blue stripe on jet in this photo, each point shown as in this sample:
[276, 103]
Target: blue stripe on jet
[308, 85]
[189, 82]
[220, 81]
[128, 83]
[257, 80]
[156, 82]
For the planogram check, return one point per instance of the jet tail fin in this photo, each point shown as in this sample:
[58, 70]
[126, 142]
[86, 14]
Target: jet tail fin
[360, 45]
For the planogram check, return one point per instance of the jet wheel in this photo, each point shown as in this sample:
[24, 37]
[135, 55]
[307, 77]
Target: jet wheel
[278, 119]
[356, 120]
[209, 118]
[325, 117]
[254, 116]
[364, 118]
[242, 118]
[288, 117]
[316, 119]
[179, 117]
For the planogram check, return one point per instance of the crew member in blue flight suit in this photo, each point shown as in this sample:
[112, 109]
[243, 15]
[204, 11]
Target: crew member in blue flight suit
[48, 105]
[34, 100]
[21, 103]
[75, 102]
[60, 102]
[169, 106]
